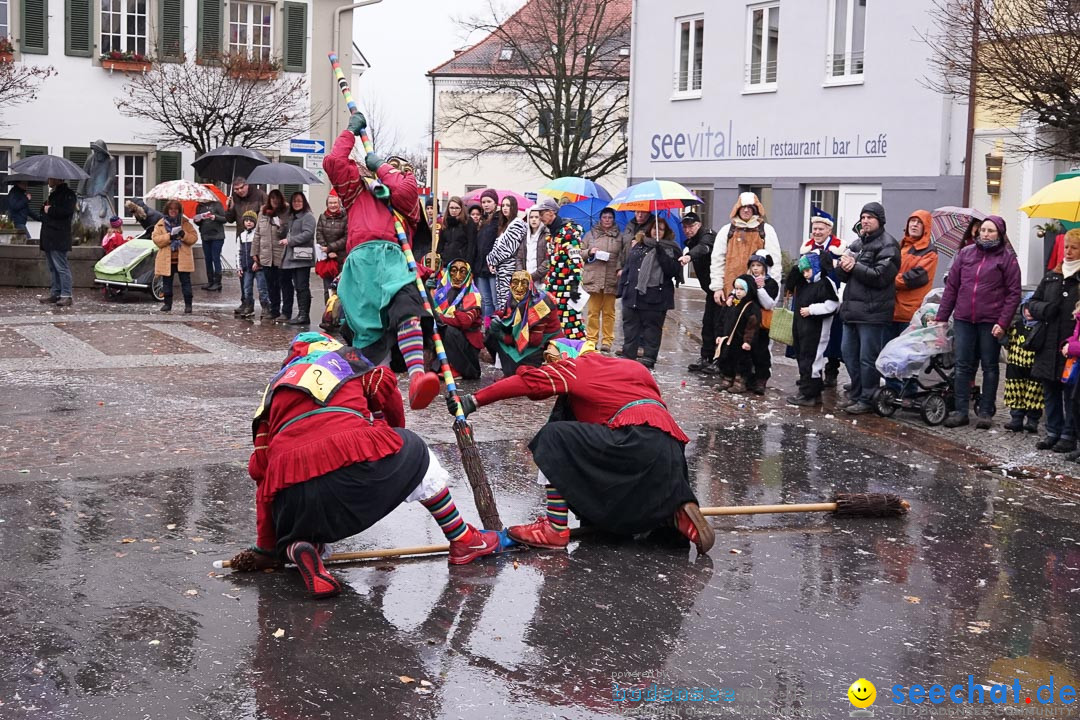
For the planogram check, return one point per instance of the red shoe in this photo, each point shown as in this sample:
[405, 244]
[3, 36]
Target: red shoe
[540, 534]
[692, 524]
[475, 543]
[320, 583]
[423, 388]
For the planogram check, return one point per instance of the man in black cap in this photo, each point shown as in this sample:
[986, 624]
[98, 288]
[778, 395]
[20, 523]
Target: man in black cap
[699, 245]
[869, 267]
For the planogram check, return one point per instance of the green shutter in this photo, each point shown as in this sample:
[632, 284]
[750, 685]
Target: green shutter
[171, 32]
[169, 166]
[294, 58]
[211, 30]
[586, 126]
[77, 29]
[35, 27]
[77, 155]
[545, 124]
[38, 192]
[288, 190]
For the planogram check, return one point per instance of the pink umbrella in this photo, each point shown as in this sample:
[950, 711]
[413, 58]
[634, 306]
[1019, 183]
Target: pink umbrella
[523, 202]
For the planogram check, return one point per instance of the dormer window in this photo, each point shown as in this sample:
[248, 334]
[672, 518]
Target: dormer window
[506, 53]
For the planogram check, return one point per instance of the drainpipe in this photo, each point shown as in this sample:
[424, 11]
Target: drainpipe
[970, 144]
[336, 39]
[432, 165]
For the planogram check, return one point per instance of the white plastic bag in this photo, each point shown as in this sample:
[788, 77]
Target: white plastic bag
[910, 353]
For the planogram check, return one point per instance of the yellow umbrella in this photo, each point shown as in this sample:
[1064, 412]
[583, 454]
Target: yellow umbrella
[1059, 200]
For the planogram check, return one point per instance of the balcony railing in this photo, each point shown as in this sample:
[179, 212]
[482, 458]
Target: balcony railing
[844, 65]
[686, 82]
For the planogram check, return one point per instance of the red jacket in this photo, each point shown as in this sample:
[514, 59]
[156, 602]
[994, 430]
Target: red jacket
[319, 444]
[369, 219]
[599, 388]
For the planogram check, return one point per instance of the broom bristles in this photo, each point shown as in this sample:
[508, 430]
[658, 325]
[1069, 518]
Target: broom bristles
[870, 505]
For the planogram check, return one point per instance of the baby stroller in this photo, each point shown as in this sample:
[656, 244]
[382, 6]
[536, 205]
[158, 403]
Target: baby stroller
[921, 358]
[130, 266]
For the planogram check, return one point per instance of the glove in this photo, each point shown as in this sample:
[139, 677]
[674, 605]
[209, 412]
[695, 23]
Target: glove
[373, 162]
[468, 404]
[357, 123]
[575, 296]
[381, 192]
[431, 283]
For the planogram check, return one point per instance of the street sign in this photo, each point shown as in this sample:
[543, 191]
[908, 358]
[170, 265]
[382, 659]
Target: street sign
[306, 146]
[313, 162]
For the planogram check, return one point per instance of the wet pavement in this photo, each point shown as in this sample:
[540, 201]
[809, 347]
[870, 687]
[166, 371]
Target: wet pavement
[124, 435]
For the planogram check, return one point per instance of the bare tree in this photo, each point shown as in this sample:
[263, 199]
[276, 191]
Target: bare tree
[555, 86]
[385, 137]
[418, 158]
[233, 102]
[1023, 61]
[19, 82]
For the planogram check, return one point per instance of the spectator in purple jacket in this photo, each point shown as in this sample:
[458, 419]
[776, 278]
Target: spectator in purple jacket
[982, 292]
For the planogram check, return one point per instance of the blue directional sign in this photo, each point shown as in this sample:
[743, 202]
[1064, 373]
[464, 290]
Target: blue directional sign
[306, 145]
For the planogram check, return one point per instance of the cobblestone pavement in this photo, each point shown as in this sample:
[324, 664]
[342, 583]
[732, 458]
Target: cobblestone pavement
[124, 435]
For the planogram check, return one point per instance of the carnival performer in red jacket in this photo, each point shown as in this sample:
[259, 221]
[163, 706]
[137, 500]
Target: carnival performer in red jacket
[457, 311]
[377, 289]
[332, 457]
[610, 451]
[521, 330]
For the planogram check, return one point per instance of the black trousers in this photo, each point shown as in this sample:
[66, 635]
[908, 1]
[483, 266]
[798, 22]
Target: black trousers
[644, 329]
[298, 280]
[509, 366]
[708, 328]
[760, 356]
[185, 285]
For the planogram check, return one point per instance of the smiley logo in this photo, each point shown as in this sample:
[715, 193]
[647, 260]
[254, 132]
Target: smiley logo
[862, 693]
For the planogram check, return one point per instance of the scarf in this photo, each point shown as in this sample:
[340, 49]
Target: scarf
[447, 301]
[988, 244]
[1069, 267]
[651, 274]
[746, 224]
[170, 225]
[524, 315]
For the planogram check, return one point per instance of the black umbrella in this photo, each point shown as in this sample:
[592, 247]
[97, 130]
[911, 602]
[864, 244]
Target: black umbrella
[226, 162]
[20, 177]
[282, 174]
[43, 167]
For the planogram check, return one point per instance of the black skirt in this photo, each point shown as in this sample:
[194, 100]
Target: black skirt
[463, 358]
[351, 499]
[626, 481]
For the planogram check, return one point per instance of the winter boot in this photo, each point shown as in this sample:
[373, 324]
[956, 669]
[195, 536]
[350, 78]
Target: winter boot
[698, 365]
[187, 306]
[238, 311]
[320, 583]
[726, 383]
[1032, 424]
[167, 306]
[215, 283]
[248, 311]
[540, 534]
[739, 386]
[758, 387]
[693, 525]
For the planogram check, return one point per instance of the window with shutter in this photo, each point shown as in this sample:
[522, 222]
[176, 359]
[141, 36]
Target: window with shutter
[35, 27]
[294, 57]
[171, 32]
[545, 124]
[169, 167]
[77, 40]
[208, 43]
[288, 190]
[38, 192]
[77, 155]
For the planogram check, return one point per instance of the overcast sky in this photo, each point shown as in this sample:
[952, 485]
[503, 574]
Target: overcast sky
[403, 39]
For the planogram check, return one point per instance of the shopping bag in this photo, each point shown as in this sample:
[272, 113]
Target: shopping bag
[783, 325]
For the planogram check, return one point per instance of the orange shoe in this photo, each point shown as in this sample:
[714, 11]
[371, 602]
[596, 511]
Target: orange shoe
[540, 534]
[423, 388]
[320, 583]
[692, 524]
[474, 544]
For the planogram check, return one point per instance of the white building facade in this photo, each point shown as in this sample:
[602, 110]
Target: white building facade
[805, 102]
[77, 105]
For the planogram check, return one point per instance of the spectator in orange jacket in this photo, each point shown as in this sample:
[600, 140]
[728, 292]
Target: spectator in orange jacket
[918, 263]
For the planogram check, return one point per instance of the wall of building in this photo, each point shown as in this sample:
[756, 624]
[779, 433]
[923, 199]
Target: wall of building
[886, 129]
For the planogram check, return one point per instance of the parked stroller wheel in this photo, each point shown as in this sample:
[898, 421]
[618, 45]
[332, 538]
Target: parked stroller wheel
[884, 402]
[157, 287]
[934, 409]
[114, 293]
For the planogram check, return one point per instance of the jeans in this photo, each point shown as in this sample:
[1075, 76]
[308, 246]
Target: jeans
[486, 286]
[975, 344]
[60, 272]
[212, 257]
[269, 281]
[861, 346]
[601, 316]
[247, 277]
[642, 328]
[1059, 410]
[185, 286]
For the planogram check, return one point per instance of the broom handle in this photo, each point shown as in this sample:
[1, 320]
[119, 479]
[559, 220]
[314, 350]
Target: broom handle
[762, 509]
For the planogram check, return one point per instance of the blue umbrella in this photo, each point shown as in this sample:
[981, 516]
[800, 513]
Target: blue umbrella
[672, 217]
[585, 213]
